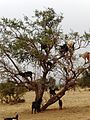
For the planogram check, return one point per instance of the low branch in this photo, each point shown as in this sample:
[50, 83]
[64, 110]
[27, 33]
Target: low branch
[71, 83]
[12, 61]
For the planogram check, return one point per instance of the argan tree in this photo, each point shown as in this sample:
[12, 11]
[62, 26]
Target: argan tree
[25, 43]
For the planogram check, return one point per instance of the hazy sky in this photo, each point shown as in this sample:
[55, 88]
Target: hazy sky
[76, 12]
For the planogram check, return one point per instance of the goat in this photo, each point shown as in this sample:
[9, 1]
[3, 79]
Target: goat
[12, 118]
[52, 92]
[63, 48]
[85, 56]
[44, 47]
[60, 104]
[69, 45]
[36, 105]
[26, 74]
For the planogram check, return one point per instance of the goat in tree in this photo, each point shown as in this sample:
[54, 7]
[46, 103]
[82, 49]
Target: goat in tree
[52, 92]
[44, 47]
[26, 74]
[85, 56]
[63, 49]
[49, 64]
[69, 45]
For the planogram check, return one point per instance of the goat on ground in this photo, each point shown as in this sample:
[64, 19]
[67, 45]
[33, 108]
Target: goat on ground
[12, 118]
[36, 105]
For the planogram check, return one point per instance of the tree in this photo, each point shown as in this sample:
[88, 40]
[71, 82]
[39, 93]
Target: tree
[37, 43]
[11, 93]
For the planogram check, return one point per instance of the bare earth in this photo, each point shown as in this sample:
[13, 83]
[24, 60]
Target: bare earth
[76, 106]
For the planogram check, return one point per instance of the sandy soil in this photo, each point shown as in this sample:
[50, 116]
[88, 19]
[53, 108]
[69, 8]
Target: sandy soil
[76, 106]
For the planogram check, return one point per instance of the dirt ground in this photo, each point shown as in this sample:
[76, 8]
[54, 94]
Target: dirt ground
[76, 106]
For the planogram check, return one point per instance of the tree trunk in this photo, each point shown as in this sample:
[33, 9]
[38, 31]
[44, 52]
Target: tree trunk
[39, 91]
[40, 87]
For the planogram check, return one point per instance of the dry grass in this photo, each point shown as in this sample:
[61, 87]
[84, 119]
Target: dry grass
[76, 106]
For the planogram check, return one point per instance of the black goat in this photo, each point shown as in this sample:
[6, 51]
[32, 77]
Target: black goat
[52, 92]
[36, 105]
[26, 74]
[60, 104]
[12, 118]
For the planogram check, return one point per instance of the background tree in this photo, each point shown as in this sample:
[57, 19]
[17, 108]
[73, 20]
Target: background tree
[11, 93]
[37, 43]
[84, 81]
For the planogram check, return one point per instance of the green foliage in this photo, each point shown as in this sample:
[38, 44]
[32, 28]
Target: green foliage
[11, 93]
[24, 38]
